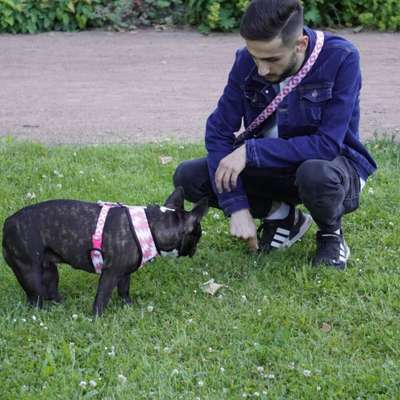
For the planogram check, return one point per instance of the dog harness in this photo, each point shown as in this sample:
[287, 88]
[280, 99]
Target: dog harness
[140, 226]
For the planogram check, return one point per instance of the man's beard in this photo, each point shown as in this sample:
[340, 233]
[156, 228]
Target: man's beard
[290, 70]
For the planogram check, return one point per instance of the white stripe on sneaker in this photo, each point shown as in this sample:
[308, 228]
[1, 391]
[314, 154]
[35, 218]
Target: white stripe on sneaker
[280, 238]
[276, 244]
[283, 232]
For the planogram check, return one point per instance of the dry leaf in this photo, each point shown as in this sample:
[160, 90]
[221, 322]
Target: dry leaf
[325, 327]
[165, 159]
[211, 287]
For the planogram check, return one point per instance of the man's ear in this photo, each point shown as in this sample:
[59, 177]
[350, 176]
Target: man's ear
[301, 44]
[175, 199]
[198, 212]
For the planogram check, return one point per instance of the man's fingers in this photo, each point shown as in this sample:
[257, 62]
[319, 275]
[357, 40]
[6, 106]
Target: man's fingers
[226, 181]
[218, 179]
[253, 245]
[233, 181]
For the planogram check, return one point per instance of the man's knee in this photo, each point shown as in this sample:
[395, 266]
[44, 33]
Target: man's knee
[315, 175]
[193, 176]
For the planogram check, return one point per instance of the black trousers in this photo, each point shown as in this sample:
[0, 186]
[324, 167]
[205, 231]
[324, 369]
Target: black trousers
[328, 189]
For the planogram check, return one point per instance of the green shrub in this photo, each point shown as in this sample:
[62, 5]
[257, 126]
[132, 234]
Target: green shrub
[30, 16]
[224, 15]
[27, 16]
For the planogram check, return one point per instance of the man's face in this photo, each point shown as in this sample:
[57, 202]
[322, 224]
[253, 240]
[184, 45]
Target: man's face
[274, 60]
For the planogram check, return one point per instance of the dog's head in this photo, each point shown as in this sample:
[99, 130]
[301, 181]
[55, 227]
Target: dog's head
[175, 230]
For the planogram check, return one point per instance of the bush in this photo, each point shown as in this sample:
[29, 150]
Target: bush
[224, 15]
[27, 16]
[30, 16]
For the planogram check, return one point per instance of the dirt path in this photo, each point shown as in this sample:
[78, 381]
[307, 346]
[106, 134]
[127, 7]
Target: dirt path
[100, 87]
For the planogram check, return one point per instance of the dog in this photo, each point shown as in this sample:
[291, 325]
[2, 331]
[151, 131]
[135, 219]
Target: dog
[38, 237]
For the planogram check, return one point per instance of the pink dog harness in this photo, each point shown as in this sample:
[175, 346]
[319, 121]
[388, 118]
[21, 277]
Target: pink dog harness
[140, 226]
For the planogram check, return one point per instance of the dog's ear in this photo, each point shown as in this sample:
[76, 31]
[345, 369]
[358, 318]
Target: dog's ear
[198, 212]
[175, 199]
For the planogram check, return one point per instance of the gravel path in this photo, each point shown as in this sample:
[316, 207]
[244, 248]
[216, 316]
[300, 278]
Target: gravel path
[101, 87]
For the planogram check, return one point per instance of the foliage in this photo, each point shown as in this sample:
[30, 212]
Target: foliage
[377, 14]
[280, 330]
[27, 16]
[30, 16]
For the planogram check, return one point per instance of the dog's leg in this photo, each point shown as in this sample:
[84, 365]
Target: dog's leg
[30, 278]
[123, 288]
[108, 281]
[50, 281]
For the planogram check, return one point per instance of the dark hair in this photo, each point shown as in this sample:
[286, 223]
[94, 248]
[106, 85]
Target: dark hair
[267, 19]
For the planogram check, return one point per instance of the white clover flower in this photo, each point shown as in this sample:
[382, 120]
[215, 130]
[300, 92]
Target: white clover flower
[243, 298]
[93, 383]
[30, 195]
[150, 308]
[74, 316]
[271, 376]
[259, 311]
[82, 384]
[189, 321]
[167, 350]
[291, 365]
[41, 324]
[112, 352]
[175, 371]
[34, 317]
[256, 394]
[122, 378]
[200, 383]
[205, 273]
[210, 350]
[260, 369]
[307, 373]
[59, 185]
[81, 172]
[222, 369]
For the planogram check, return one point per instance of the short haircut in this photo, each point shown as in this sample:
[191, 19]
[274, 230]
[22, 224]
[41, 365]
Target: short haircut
[268, 19]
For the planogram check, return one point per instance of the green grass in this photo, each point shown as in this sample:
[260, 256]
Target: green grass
[268, 344]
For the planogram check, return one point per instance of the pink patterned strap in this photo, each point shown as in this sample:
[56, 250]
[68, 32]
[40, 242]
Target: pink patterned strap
[97, 238]
[143, 234]
[293, 82]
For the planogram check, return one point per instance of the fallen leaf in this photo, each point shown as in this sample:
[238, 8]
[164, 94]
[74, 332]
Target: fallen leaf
[325, 327]
[165, 159]
[211, 287]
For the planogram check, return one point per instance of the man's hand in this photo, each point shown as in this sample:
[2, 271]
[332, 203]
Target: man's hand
[229, 169]
[243, 227]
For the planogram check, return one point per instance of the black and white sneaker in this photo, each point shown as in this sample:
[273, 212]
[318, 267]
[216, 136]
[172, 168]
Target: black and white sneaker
[332, 250]
[282, 233]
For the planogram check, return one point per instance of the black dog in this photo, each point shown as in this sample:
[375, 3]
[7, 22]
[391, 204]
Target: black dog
[38, 237]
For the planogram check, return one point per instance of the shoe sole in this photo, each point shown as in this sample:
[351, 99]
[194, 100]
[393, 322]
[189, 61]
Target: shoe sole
[303, 229]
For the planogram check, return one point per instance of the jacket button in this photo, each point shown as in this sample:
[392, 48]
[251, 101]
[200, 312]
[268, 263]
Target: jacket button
[314, 93]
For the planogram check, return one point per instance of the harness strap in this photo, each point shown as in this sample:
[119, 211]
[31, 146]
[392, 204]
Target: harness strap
[97, 238]
[143, 234]
[141, 229]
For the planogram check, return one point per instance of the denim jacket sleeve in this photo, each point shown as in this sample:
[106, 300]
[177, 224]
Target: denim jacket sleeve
[327, 142]
[220, 128]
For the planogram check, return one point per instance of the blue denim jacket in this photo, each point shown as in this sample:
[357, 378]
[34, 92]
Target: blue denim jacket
[317, 120]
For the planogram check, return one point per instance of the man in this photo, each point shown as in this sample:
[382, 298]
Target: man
[307, 151]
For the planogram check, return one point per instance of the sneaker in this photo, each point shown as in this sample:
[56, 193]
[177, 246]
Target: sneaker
[282, 233]
[332, 250]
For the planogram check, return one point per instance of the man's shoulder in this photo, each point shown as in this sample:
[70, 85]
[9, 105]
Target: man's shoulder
[334, 42]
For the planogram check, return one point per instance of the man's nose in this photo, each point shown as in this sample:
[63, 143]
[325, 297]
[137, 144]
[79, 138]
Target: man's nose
[263, 69]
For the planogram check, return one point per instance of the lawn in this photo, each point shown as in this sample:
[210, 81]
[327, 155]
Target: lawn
[281, 329]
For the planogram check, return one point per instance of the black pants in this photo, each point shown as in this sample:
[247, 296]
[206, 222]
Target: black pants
[328, 189]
